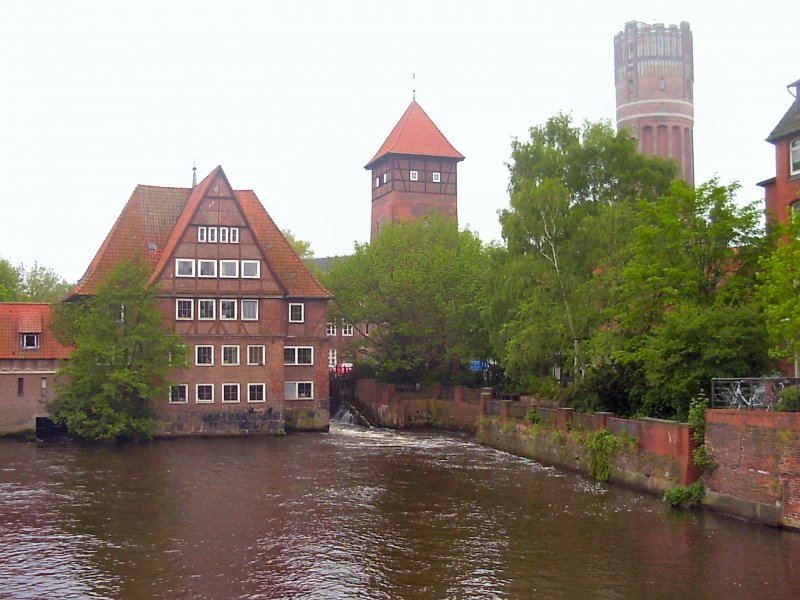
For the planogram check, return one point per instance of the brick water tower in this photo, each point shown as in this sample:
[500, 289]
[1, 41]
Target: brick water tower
[654, 78]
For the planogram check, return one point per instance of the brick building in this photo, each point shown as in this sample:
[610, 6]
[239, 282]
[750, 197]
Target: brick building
[782, 192]
[654, 79]
[251, 313]
[414, 172]
[29, 358]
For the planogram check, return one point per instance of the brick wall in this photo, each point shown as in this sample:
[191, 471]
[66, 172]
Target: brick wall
[757, 465]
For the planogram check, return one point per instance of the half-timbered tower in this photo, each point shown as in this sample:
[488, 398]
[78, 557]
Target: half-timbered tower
[413, 172]
[251, 313]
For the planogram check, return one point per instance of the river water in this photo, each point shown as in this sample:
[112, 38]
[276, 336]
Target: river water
[357, 514]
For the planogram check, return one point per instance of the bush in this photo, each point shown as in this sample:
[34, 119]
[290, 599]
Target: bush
[789, 399]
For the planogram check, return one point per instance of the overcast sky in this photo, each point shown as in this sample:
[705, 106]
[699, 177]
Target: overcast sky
[293, 99]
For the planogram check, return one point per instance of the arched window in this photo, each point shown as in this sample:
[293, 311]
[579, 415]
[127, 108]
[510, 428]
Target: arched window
[794, 157]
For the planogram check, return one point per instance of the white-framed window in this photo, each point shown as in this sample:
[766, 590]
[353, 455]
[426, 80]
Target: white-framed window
[179, 394]
[794, 157]
[298, 390]
[330, 328]
[227, 310]
[347, 329]
[437, 177]
[212, 235]
[230, 392]
[255, 355]
[377, 182]
[251, 269]
[332, 358]
[223, 235]
[296, 312]
[204, 356]
[249, 310]
[229, 268]
[385, 177]
[184, 267]
[201, 234]
[298, 355]
[184, 309]
[206, 268]
[203, 392]
[29, 341]
[230, 356]
[256, 392]
[413, 175]
[233, 236]
[206, 309]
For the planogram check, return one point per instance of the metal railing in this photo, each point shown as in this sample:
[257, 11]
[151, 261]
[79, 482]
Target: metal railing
[751, 393]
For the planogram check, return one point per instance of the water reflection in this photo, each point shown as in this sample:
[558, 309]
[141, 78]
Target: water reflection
[356, 514]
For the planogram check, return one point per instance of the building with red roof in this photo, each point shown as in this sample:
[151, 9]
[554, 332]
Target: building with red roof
[414, 173]
[29, 358]
[252, 314]
[782, 192]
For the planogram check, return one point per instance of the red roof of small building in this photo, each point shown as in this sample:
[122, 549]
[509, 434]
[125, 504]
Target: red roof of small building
[17, 318]
[154, 219]
[417, 135]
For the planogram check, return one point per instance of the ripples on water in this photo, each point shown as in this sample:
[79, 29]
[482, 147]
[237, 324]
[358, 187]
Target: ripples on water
[356, 514]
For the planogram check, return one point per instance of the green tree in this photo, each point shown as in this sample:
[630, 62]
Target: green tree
[573, 192]
[685, 310]
[122, 356]
[421, 287]
[41, 284]
[10, 281]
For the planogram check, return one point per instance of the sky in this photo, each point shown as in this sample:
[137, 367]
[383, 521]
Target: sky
[293, 99]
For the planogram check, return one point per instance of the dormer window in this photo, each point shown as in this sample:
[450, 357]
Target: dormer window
[794, 157]
[30, 341]
[414, 176]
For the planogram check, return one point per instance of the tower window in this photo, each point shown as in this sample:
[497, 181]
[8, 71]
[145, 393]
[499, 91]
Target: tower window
[437, 177]
[414, 175]
[662, 84]
[794, 157]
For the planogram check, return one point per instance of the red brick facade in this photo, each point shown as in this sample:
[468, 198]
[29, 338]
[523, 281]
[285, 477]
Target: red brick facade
[252, 315]
[654, 78]
[783, 190]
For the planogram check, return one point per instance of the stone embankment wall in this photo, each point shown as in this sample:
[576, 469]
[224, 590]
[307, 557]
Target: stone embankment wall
[756, 472]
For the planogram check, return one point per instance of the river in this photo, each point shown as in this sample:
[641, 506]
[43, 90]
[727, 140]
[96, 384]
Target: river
[357, 513]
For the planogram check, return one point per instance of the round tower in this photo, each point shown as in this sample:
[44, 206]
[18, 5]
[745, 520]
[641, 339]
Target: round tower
[654, 78]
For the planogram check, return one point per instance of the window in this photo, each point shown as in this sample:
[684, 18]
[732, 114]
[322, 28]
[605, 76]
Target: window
[229, 268]
[437, 177]
[347, 329]
[184, 308]
[230, 356]
[184, 267]
[204, 392]
[223, 235]
[227, 310]
[206, 268]
[230, 392]
[255, 355]
[201, 235]
[794, 157]
[413, 175]
[205, 310]
[330, 329]
[385, 177]
[298, 355]
[251, 269]
[332, 358]
[30, 341]
[44, 387]
[212, 235]
[179, 394]
[204, 355]
[256, 392]
[377, 182]
[233, 236]
[296, 313]
[298, 390]
[249, 310]
[20, 387]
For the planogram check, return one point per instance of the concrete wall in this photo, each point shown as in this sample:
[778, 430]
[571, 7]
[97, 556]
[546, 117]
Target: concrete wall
[756, 458]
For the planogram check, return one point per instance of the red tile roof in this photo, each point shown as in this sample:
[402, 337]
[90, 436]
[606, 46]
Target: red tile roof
[17, 318]
[416, 134]
[157, 217]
